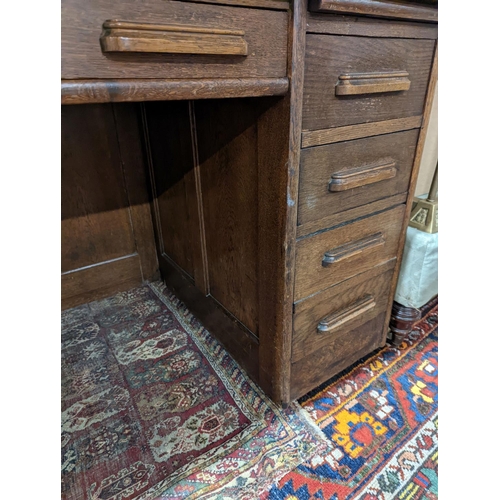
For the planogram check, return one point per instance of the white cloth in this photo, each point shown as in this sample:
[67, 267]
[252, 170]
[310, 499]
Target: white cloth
[418, 277]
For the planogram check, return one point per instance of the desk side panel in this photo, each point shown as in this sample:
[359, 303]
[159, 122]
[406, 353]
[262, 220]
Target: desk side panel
[227, 153]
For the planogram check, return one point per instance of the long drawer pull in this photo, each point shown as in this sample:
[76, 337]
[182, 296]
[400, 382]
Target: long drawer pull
[372, 83]
[350, 249]
[124, 36]
[362, 176]
[338, 318]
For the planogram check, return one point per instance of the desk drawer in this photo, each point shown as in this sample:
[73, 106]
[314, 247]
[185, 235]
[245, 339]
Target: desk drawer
[334, 328]
[342, 176]
[322, 319]
[351, 80]
[167, 39]
[332, 256]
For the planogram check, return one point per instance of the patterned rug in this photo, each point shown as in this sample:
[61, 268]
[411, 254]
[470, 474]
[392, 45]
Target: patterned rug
[381, 417]
[154, 408]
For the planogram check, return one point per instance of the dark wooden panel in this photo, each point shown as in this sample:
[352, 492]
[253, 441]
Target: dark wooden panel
[309, 312]
[365, 26]
[92, 91]
[329, 56]
[265, 34]
[377, 8]
[107, 241]
[96, 223]
[311, 371]
[99, 281]
[354, 253]
[240, 343]
[169, 132]
[317, 165]
[133, 160]
[227, 150]
[273, 157]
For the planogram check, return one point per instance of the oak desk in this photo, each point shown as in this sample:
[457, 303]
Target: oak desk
[258, 156]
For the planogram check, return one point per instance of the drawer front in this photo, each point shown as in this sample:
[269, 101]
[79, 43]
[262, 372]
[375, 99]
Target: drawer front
[174, 40]
[342, 176]
[329, 257]
[319, 321]
[311, 371]
[353, 80]
[334, 328]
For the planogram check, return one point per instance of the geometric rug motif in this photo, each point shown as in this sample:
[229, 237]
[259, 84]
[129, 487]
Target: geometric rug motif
[153, 407]
[381, 418]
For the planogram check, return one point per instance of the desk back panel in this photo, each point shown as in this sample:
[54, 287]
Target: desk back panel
[106, 230]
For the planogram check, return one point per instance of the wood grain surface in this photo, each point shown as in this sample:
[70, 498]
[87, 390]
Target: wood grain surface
[264, 4]
[279, 138]
[169, 135]
[101, 280]
[82, 57]
[311, 311]
[350, 132]
[375, 82]
[96, 224]
[377, 8]
[123, 36]
[318, 165]
[366, 26]
[227, 149]
[329, 56]
[97, 91]
[107, 241]
[349, 346]
[243, 346]
[311, 276]
[338, 218]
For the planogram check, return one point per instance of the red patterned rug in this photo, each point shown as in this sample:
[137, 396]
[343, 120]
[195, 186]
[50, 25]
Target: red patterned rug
[381, 417]
[154, 408]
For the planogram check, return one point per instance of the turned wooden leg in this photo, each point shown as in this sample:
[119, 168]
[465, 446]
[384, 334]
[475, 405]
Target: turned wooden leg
[402, 320]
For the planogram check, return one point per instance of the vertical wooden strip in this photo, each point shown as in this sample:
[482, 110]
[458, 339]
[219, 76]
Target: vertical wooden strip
[134, 173]
[279, 153]
[154, 206]
[196, 213]
[411, 191]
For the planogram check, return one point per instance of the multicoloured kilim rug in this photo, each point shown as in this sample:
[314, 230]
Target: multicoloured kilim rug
[381, 417]
[154, 408]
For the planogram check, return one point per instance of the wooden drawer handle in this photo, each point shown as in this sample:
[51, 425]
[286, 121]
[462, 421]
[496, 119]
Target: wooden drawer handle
[338, 318]
[361, 176]
[372, 83]
[122, 36]
[350, 249]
